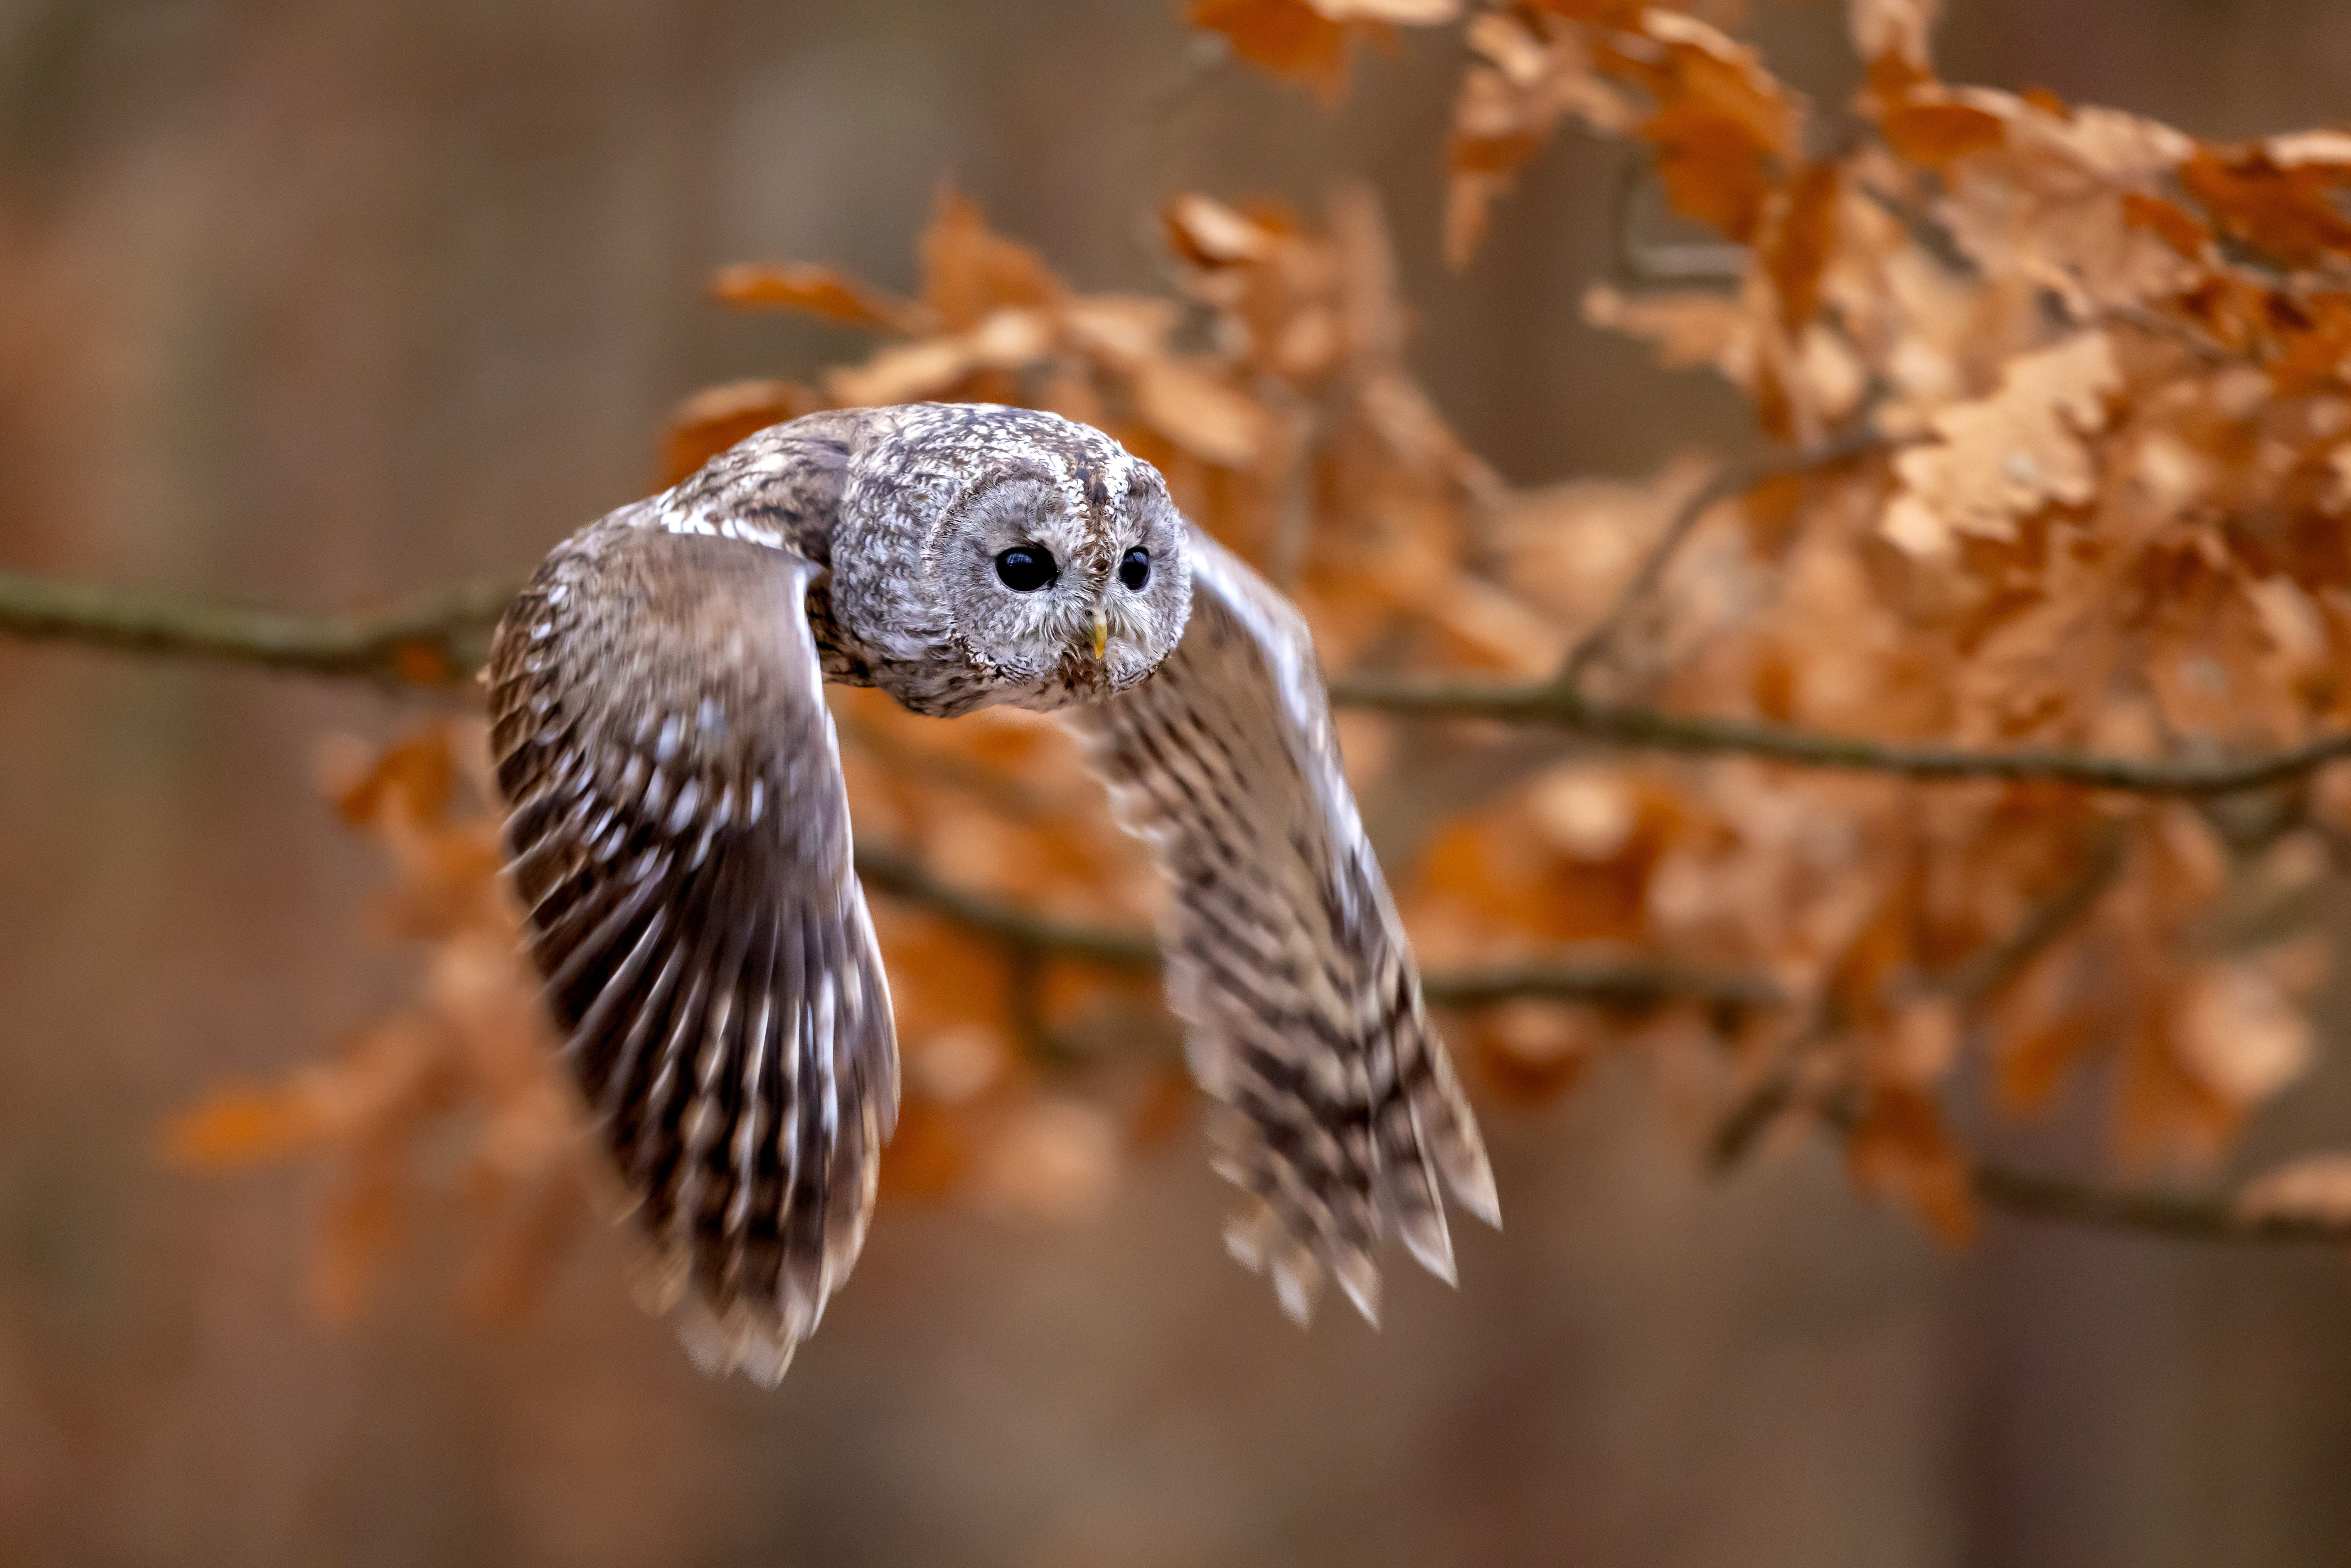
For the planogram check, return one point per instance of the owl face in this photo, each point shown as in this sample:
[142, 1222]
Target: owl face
[989, 555]
[1064, 583]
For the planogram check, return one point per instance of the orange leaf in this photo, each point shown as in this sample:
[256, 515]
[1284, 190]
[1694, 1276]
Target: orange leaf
[1206, 233]
[2285, 210]
[416, 775]
[2167, 221]
[233, 1127]
[1902, 1150]
[1798, 247]
[1933, 133]
[1721, 120]
[1186, 404]
[968, 272]
[822, 290]
[1289, 38]
[716, 418]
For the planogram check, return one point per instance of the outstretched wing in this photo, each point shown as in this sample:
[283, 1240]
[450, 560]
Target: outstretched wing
[679, 838]
[1337, 1109]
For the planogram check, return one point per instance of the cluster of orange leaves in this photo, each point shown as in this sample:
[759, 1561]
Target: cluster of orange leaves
[2086, 380]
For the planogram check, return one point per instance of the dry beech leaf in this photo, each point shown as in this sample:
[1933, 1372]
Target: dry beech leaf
[1293, 40]
[1402, 13]
[1902, 1150]
[910, 372]
[2006, 456]
[1206, 233]
[2287, 209]
[716, 418]
[969, 271]
[1721, 120]
[2315, 1187]
[1892, 29]
[1506, 109]
[2239, 1033]
[822, 290]
[1186, 403]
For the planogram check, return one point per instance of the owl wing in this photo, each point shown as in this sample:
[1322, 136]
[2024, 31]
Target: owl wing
[1338, 1111]
[679, 839]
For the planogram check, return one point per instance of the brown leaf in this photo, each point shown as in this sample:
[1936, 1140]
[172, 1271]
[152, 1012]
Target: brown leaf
[1291, 38]
[1206, 233]
[968, 271]
[1901, 1149]
[2314, 1186]
[2003, 457]
[716, 418]
[1722, 122]
[822, 290]
[2287, 209]
[1892, 29]
[1934, 132]
[1185, 402]
[2239, 1033]
[1509, 103]
[906, 372]
[233, 1127]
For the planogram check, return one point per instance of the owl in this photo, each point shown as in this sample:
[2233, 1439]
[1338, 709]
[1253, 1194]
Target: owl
[679, 838]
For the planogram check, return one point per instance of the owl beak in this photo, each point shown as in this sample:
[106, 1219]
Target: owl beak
[1101, 633]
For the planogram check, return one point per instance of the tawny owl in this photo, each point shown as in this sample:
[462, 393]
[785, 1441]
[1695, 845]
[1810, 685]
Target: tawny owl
[679, 837]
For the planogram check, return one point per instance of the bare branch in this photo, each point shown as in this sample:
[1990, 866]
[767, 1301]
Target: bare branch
[429, 640]
[439, 637]
[2033, 1196]
[1607, 981]
[1551, 703]
[1726, 482]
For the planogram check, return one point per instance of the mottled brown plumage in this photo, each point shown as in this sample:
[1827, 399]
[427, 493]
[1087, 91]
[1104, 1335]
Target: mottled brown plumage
[679, 837]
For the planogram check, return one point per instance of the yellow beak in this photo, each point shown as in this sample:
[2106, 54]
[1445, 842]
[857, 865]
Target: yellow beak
[1101, 633]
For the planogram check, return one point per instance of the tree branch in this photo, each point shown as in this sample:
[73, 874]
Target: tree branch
[1550, 702]
[1726, 484]
[439, 637]
[431, 639]
[1626, 982]
[2029, 1194]
[2033, 1196]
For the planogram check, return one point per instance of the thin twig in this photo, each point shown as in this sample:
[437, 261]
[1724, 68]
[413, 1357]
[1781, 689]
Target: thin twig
[1979, 977]
[1968, 983]
[1729, 481]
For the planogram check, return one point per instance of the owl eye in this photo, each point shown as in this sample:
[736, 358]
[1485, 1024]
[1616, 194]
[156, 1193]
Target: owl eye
[1025, 568]
[1135, 569]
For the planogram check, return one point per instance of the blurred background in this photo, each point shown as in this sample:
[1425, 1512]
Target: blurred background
[311, 302]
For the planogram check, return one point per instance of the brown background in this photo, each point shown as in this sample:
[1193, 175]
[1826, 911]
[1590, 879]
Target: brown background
[316, 299]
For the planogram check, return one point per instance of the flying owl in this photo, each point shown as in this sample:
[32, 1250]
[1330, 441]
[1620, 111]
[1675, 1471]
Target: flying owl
[679, 838]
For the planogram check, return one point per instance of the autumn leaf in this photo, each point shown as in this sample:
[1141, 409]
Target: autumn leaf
[716, 418]
[969, 271]
[2312, 1188]
[820, 290]
[2002, 458]
[1308, 41]
[2281, 199]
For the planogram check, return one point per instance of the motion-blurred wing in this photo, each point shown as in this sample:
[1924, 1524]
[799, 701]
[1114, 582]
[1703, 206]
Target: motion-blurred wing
[679, 837]
[1338, 1108]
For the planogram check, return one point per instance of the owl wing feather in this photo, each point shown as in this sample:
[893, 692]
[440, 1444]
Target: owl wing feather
[679, 839]
[1338, 1111]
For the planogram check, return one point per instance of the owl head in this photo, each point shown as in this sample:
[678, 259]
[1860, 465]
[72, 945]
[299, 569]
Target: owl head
[1035, 550]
